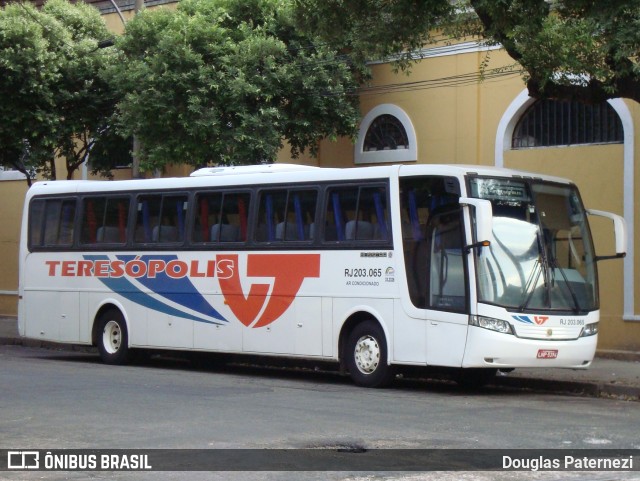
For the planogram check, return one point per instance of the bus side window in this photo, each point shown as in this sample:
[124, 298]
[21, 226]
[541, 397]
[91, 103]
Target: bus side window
[220, 217]
[372, 215]
[104, 220]
[231, 225]
[271, 211]
[67, 222]
[298, 220]
[356, 213]
[286, 215]
[36, 217]
[205, 215]
[341, 212]
[161, 219]
[432, 252]
[173, 219]
[52, 222]
[147, 218]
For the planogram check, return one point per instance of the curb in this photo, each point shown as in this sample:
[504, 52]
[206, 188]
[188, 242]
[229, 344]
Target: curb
[585, 388]
[628, 356]
[17, 341]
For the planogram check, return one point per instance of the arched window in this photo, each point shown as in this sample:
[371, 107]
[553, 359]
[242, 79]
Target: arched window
[386, 132]
[386, 135]
[548, 123]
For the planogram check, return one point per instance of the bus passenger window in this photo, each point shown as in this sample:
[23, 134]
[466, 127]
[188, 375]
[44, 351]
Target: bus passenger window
[286, 216]
[161, 219]
[104, 220]
[220, 217]
[52, 222]
[206, 213]
[232, 219]
[271, 211]
[36, 216]
[357, 214]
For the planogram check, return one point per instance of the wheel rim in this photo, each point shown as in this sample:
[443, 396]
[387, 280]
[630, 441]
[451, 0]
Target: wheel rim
[367, 354]
[112, 337]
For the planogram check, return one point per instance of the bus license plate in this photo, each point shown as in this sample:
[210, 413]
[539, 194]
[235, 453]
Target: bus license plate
[547, 353]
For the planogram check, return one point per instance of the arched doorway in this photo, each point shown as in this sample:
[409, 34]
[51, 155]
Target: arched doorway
[504, 135]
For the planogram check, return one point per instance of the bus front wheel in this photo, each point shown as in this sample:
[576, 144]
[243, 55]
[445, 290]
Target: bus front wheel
[366, 356]
[113, 338]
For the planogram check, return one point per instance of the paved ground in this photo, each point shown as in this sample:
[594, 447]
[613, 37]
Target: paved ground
[612, 374]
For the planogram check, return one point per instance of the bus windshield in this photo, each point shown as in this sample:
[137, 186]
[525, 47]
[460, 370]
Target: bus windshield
[541, 256]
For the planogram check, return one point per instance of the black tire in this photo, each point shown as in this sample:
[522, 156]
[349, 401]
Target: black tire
[366, 356]
[475, 378]
[113, 338]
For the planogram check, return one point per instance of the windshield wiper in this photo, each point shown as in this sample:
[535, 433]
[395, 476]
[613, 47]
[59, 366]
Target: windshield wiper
[576, 304]
[546, 264]
[541, 266]
[530, 287]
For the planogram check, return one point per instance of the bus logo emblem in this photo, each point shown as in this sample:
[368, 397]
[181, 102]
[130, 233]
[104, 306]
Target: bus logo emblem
[538, 320]
[256, 308]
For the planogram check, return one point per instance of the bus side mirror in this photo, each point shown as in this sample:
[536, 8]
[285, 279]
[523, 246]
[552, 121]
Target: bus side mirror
[619, 231]
[484, 221]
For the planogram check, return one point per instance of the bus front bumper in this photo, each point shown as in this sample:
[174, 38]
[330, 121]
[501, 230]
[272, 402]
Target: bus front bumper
[487, 348]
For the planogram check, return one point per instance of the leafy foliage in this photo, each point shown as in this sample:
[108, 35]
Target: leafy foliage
[586, 50]
[26, 74]
[85, 101]
[226, 82]
[375, 29]
[54, 101]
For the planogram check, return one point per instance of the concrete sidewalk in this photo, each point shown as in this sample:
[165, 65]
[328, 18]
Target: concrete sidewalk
[612, 374]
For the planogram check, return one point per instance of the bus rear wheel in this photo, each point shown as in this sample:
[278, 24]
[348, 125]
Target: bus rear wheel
[113, 338]
[366, 356]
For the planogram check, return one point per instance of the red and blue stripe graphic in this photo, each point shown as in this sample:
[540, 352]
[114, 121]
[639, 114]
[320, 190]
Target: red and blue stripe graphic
[160, 292]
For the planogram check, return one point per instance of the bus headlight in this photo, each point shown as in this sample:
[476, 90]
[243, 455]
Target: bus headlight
[490, 323]
[589, 330]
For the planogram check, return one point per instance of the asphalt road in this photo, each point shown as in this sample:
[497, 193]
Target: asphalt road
[67, 400]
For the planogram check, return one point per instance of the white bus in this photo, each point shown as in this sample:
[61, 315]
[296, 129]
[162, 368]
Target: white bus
[375, 268]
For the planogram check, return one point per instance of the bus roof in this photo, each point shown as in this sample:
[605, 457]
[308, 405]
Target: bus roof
[276, 173]
[252, 169]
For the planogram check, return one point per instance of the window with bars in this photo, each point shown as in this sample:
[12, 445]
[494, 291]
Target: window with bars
[549, 123]
[386, 132]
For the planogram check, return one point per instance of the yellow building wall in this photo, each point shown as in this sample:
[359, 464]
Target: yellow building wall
[12, 194]
[453, 124]
[634, 108]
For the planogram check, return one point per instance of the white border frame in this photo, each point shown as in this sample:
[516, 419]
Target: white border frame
[503, 142]
[387, 156]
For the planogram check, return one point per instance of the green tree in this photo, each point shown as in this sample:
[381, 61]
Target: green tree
[85, 101]
[586, 50]
[26, 72]
[54, 101]
[375, 29]
[227, 82]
